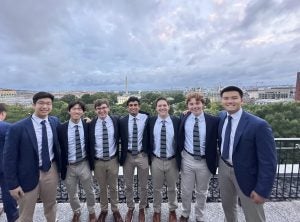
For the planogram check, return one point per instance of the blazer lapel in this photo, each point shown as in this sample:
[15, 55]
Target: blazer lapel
[31, 132]
[240, 129]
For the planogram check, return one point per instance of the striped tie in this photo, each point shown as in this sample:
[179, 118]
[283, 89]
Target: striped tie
[163, 140]
[196, 140]
[105, 141]
[78, 144]
[134, 138]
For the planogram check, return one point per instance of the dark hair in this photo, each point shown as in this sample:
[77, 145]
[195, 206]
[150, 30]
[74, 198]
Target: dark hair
[2, 107]
[133, 99]
[196, 95]
[42, 95]
[99, 102]
[76, 102]
[232, 88]
[161, 98]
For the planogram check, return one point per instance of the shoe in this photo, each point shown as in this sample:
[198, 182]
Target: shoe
[142, 215]
[156, 217]
[102, 216]
[129, 215]
[76, 217]
[92, 217]
[183, 219]
[172, 216]
[117, 216]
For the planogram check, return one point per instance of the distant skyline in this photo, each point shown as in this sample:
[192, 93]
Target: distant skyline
[158, 44]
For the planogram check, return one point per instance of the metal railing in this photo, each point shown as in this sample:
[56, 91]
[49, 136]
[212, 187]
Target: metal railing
[286, 185]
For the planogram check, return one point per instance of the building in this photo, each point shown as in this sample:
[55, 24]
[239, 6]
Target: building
[7, 92]
[297, 92]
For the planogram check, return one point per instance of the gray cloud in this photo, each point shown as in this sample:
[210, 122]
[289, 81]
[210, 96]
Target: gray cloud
[158, 44]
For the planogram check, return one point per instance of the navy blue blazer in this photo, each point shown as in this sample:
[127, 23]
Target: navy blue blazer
[123, 130]
[211, 140]
[21, 159]
[254, 154]
[3, 130]
[62, 131]
[176, 123]
[92, 139]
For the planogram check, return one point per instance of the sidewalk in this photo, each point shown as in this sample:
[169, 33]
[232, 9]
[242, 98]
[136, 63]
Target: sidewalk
[288, 211]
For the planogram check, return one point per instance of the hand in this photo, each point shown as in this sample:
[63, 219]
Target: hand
[256, 198]
[17, 193]
[185, 112]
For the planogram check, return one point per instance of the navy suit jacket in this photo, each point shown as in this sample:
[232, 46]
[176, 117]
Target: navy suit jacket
[62, 131]
[176, 123]
[211, 140]
[92, 139]
[21, 159]
[254, 154]
[123, 130]
[3, 130]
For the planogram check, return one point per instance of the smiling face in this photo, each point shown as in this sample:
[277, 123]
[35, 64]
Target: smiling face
[102, 111]
[42, 107]
[162, 108]
[232, 101]
[195, 106]
[76, 112]
[133, 108]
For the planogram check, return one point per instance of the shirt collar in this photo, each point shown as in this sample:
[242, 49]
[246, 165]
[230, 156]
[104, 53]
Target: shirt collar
[168, 119]
[237, 114]
[200, 117]
[72, 124]
[38, 119]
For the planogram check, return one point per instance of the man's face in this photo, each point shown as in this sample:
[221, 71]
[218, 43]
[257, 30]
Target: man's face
[162, 108]
[133, 108]
[102, 111]
[42, 107]
[231, 101]
[2, 115]
[195, 107]
[76, 113]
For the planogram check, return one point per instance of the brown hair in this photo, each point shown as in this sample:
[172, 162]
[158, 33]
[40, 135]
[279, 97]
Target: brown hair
[198, 96]
[99, 102]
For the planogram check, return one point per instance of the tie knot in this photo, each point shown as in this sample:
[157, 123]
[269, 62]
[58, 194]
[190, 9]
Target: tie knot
[76, 126]
[43, 122]
[196, 119]
[103, 122]
[134, 119]
[163, 122]
[229, 118]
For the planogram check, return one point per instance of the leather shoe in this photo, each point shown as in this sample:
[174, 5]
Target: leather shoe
[183, 219]
[142, 215]
[156, 217]
[117, 216]
[102, 216]
[172, 216]
[129, 215]
[92, 217]
[76, 217]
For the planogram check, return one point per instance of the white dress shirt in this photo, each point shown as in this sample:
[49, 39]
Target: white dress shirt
[140, 121]
[72, 140]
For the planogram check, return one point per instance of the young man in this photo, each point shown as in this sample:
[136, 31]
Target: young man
[32, 159]
[9, 203]
[198, 135]
[135, 154]
[163, 136]
[247, 166]
[77, 161]
[104, 143]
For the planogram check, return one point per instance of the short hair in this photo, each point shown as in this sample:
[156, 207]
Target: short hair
[2, 108]
[133, 99]
[161, 98]
[42, 95]
[232, 88]
[99, 102]
[197, 95]
[77, 102]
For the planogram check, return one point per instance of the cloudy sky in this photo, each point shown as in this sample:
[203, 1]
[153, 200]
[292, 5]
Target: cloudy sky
[158, 44]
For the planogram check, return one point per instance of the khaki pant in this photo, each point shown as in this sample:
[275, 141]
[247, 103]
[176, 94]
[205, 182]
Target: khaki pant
[46, 190]
[164, 171]
[106, 173]
[75, 173]
[230, 191]
[139, 161]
